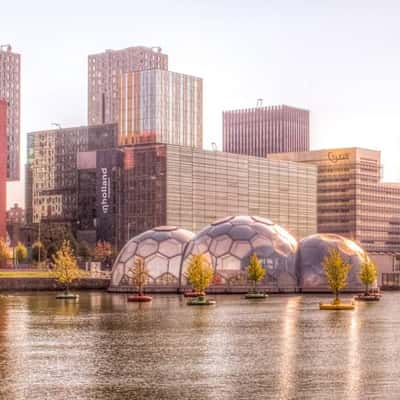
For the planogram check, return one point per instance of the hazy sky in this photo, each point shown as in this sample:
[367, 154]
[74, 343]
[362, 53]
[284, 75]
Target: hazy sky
[339, 59]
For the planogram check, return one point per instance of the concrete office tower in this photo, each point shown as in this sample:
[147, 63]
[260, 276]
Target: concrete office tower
[352, 199]
[104, 70]
[3, 167]
[10, 90]
[263, 130]
[161, 106]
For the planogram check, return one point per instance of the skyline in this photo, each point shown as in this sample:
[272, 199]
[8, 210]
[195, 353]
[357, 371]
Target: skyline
[344, 76]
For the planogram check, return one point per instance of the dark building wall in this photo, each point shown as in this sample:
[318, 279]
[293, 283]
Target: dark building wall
[264, 130]
[142, 191]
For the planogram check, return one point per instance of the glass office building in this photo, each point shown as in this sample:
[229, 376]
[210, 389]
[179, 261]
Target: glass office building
[160, 106]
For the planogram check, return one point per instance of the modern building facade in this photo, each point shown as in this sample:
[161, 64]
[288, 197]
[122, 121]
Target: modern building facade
[10, 90]
[3, 167]
[263, 130]
[51, 171]
[104, 70]
[352, 199]
[98, 175]
[159, 106]
[189, 187]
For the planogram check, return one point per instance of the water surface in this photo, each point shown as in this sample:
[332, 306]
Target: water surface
[282, 348]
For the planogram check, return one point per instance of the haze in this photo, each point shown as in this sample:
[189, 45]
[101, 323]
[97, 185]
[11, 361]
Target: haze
[339, 59]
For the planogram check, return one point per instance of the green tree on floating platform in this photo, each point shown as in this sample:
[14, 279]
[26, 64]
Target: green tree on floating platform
[255, 271]
[336, 271]
[368, 273]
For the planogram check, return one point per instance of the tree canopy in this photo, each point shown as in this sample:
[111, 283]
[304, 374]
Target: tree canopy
[66, 269]
[336, 271]
[255, 270]
[199, 273]
[368, 272]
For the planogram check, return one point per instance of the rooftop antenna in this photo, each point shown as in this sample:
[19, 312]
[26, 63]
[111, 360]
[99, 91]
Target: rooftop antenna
[214, 146]
[259, 102]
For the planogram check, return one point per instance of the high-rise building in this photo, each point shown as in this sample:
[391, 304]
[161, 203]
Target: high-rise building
[10, 90]
[15, 221]
[190, 188]
[3, 167]
[161, 106]
[263, 130]
[51, 191]
[352, 199]
[104, 70]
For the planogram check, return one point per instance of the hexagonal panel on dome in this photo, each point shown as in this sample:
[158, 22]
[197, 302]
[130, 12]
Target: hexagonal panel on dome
[220, 245]
[159, 236]
[128, 251]
[170, 247]
[241, 249]
[218, 230]
[174, 265]
[241, 232]
[228, 262]
[157, 265]
[222, 220]
[242, 220]
[265, 221]
[147, 247]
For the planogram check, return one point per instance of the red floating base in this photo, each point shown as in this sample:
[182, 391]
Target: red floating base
[193, 294]
[139, 299]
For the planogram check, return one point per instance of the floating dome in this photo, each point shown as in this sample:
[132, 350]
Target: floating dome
[228, 244]
[161, 248]
[312, 251]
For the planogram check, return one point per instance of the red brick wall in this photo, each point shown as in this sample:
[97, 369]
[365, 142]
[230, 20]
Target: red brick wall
[3, 167]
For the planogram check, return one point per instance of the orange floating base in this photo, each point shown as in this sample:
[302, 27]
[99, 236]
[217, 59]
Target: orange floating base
[139, 299]
[193, 294]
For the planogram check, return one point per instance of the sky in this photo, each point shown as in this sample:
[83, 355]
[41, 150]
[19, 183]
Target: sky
[340, 59]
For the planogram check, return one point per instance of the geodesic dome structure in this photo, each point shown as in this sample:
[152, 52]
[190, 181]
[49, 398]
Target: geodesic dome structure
[229, 243]
[312, 251]
[161, 249]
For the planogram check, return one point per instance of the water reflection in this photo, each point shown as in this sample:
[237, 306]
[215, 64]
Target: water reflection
[283, 348]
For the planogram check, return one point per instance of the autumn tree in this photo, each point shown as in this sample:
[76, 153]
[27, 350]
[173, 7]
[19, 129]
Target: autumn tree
[5, 253]
[336, 271]
[199, 273]
[20, 253]
[368, 273]
[139, 274]
[255, 271]
[66, 269]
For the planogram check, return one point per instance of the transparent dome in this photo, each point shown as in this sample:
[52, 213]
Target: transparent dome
[312, 251]
[229, 243]
[161, 248]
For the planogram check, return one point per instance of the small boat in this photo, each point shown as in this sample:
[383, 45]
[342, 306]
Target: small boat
[137, 298]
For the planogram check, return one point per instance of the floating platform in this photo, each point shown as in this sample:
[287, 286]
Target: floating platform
[256, 296]
[201, 301]
[337, 306]
[67, 296]
[137, 298]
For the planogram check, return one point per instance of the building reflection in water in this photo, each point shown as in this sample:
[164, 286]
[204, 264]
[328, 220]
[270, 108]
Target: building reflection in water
[353, 361]
[287, 381]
